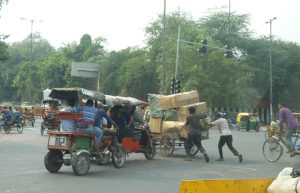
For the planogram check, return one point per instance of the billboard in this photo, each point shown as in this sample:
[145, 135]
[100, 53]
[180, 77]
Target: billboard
[85, 70]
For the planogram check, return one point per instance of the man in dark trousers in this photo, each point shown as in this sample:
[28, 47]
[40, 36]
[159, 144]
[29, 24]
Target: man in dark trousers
[194, 135]
[226, 137]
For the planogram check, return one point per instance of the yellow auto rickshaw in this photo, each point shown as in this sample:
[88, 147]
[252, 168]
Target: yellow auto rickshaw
[248, 121]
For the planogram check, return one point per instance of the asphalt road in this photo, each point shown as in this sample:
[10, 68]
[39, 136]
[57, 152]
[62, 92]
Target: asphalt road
[22, 166]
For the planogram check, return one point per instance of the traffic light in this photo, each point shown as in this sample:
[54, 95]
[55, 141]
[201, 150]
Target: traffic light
[228, 53]
[177, 86]
[173, 85]
[203, 49]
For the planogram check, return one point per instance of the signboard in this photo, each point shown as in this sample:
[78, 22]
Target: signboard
[85, 70]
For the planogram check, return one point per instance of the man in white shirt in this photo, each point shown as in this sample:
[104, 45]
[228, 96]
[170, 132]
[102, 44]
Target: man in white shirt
[275, 123]
[226, 137]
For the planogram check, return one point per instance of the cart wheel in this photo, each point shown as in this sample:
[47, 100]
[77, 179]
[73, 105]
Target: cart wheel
[32, 123]
[6, 127]
[106, 157]
[50, 161]
[81, 164]
[247, 129]
[272, 150]
[150, 153]
[118, 156]
[167, 145]
[238, 128]
[20, 128]
[193, 151]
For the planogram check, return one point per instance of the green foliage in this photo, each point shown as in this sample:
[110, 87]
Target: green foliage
[221, 81]
[137, 75]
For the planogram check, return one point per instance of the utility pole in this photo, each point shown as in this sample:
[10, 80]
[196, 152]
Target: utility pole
[164, 51]
[29, 91]
[229, 17]
[177, 55]
[271, 70]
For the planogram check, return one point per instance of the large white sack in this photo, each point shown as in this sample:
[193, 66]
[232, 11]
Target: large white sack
[284, 182]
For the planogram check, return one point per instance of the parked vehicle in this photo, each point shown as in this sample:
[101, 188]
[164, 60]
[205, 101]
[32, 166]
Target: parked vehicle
[248, 121]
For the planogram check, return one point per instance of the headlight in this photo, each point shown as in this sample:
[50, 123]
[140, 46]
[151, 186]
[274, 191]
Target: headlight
[61, 141]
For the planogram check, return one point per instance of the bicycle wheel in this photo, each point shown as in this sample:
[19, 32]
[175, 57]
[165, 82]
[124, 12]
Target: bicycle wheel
[272, 150]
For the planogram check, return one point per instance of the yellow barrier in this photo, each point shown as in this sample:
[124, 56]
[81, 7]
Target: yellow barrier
[226, 186]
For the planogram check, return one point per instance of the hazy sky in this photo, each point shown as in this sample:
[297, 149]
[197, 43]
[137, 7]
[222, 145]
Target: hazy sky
[122, 21]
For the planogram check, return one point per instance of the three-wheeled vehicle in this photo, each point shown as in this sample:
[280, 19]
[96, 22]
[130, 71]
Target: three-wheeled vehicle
[77, 148]
[10, 121]
[248, 121]
[139, 140]
[50, 122]
[28, 115]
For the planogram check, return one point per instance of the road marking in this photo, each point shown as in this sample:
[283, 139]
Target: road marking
[24, 173]
[31, 128]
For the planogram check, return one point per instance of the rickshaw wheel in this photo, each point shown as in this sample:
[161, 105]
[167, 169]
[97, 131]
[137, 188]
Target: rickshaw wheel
[118, 156]
[50, 161]
[58, 127]
[6, 127]
[20, 128]
[150, 153]
[167, 145]
[257, 129]
[238, 128]
[106, 157]
[81, 164]
[42, 129]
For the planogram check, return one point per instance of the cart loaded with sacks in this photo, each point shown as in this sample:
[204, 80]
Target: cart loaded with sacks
[168, 115]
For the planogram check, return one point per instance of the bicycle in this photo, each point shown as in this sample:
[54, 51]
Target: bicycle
[273, 146]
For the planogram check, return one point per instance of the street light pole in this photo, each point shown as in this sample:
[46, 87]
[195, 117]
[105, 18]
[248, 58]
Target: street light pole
[29, 91]
[164, 51]
[271, 69]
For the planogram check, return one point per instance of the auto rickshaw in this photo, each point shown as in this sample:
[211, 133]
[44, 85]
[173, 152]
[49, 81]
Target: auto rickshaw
[248, 121]
[79, 146]
[28, 115]
[50, 122]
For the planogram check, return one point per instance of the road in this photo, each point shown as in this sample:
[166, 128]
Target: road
[22, 166]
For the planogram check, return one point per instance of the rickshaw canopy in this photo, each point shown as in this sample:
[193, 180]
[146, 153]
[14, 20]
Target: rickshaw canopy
[75, 94]
[112, 101]
[251, 116]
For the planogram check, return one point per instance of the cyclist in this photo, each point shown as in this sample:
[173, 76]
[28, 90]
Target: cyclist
[286, 116]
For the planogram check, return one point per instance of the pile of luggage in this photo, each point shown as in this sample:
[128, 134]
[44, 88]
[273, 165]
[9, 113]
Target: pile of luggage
[168, 113]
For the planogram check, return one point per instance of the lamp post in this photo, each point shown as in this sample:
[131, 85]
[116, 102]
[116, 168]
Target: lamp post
[271, 79]
[29, 91]
[164, 50]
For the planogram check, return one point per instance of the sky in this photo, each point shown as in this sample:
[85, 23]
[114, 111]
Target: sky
[122, 22]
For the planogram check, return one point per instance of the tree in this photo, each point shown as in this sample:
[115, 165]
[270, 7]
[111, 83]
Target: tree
[20, 53]
[136, 74]
[109, 71]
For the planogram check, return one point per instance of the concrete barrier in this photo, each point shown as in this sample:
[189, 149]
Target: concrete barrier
[226, 186]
